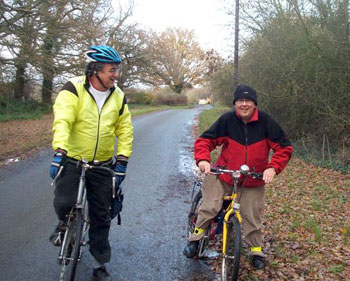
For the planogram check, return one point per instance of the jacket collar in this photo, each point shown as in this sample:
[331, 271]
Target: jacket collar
[87, 84]
[255, 116]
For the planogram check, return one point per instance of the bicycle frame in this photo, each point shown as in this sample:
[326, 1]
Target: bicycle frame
[78, 217]
[80, 204]
[232, 210]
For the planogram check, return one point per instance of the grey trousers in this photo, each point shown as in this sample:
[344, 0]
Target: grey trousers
[251, 200]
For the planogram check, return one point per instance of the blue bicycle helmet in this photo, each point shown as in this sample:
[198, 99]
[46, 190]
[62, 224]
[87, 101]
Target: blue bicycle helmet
[103, 53]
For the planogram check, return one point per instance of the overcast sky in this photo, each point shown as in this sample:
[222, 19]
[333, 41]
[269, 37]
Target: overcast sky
[206, 17]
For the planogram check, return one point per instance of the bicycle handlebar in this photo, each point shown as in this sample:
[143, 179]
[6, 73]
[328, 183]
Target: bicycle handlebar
[86, 166]
[244, 170]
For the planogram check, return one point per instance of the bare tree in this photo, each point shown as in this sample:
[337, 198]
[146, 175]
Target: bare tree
[176, 60]
[61, 20]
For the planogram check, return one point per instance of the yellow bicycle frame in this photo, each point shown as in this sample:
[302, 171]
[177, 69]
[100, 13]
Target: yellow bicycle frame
[228, 212]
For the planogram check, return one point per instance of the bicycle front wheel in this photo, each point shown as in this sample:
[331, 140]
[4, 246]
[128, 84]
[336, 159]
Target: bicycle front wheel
[71, 244]
[231, 261]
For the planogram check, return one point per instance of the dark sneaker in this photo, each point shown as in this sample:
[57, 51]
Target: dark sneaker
[191, 249]
[57, 235]
[100, 274]
[258, 262]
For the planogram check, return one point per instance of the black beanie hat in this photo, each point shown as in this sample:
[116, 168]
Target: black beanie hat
[245, 92]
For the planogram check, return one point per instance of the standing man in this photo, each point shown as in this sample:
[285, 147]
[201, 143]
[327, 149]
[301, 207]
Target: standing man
[90, 112]
[247, 135]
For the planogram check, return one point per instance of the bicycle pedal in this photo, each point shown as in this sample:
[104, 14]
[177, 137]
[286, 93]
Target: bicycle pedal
[213, 255]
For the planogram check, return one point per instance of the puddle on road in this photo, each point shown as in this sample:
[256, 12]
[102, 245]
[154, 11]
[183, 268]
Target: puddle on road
[186, 163]
[11, 160]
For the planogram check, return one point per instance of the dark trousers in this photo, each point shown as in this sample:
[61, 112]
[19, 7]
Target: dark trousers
[98, 187]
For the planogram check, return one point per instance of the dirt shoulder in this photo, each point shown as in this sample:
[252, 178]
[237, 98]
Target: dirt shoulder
[20, 138]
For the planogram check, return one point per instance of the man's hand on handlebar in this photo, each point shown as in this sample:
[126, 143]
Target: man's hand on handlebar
[120, 168]
[56, 162]
[204, 166]
[268, 175]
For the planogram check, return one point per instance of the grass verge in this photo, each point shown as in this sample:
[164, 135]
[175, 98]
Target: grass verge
[206, 119]
[137, 109]
[11, 109]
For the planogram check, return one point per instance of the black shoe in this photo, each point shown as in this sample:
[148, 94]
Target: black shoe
[100, 274]
[258, 262]
[57, 235]
[191, 249]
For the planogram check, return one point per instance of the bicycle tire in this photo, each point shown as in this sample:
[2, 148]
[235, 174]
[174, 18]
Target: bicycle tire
[71, 253]
[192, 219]
[231, 262]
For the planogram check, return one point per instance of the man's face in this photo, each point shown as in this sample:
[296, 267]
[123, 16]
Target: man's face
[245, 108]
[109, 74]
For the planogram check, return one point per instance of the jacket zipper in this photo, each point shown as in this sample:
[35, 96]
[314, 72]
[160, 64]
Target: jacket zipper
[98, 135]
[246, 143]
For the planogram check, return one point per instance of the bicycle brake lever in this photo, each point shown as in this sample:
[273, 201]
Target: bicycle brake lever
[58, 174]
[113, 186]
[213, 169]
[257, 176]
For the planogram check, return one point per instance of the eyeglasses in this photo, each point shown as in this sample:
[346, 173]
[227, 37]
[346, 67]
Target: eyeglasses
[114, 69]
[242, 101]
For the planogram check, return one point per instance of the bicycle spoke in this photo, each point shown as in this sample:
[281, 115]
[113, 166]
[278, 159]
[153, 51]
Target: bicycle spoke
[72, 247]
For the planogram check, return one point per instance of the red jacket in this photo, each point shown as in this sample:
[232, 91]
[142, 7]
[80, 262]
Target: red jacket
[249, 144]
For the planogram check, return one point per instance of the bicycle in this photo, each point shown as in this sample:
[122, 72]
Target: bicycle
[77, 223]
[230, 218]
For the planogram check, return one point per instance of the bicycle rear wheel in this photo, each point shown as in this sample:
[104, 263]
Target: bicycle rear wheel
[192, 219]
[72, 243]
[231, 261]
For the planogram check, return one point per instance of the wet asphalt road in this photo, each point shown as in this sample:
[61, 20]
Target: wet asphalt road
[149, 243]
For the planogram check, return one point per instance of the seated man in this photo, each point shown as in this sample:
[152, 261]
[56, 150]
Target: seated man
[247, 135]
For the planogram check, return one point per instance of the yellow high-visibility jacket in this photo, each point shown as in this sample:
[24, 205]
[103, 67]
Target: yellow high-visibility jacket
[82, 131]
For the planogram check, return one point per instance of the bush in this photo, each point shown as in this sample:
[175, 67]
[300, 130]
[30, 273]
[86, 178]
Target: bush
[170, 99]
[194, 95]
[11, 109]
[139, 97]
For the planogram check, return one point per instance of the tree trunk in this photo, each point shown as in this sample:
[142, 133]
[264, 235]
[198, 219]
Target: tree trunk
[178, 88]
[19, 82]
[235, 60]
[47, 87]
[48, 68]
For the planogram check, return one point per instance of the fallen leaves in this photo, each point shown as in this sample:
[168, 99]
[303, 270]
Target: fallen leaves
[20, 136]
[306, 227]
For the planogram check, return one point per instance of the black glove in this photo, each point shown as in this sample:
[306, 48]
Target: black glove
[120, 168]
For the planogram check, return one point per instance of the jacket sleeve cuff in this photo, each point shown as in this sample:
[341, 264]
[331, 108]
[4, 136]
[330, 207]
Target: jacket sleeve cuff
[277, 170]
[197, 161]
[122, 160]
